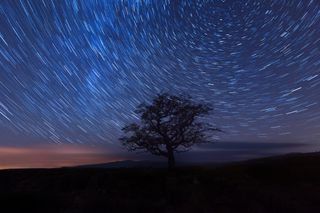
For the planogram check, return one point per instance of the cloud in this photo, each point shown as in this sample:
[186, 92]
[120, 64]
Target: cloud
[53, 155]
[235, 151]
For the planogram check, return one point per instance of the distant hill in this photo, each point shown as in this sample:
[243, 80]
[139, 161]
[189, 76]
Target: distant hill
[127, 164]
[145, 164]
[162, 164]
[297, 158]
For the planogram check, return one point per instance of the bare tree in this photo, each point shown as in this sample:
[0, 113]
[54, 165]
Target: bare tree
[170, 124]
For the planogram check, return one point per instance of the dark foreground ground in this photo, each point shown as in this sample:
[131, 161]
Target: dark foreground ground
[280, 184]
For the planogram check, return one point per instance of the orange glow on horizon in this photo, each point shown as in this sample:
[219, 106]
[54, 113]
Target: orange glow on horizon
[52, 156]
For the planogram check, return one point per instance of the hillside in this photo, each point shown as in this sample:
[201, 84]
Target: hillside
[289, 183]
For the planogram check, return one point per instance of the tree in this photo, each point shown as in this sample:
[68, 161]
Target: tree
[170, 124]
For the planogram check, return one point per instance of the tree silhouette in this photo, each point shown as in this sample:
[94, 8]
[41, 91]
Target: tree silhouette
[170, 124]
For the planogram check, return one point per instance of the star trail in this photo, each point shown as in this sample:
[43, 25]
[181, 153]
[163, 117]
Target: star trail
[74, 71]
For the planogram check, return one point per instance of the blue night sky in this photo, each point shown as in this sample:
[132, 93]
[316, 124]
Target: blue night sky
[72, 72]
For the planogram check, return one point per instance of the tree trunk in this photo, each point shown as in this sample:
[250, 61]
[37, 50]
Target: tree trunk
[171, 160]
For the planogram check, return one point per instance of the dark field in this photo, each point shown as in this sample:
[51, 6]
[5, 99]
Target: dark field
[280, 184]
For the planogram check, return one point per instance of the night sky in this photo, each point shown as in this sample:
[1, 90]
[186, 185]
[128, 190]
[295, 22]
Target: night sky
[72, 72]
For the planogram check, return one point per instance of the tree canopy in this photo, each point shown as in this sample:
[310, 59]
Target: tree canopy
[169, 124]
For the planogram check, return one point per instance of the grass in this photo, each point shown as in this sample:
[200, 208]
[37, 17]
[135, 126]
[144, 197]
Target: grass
[280, 184]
